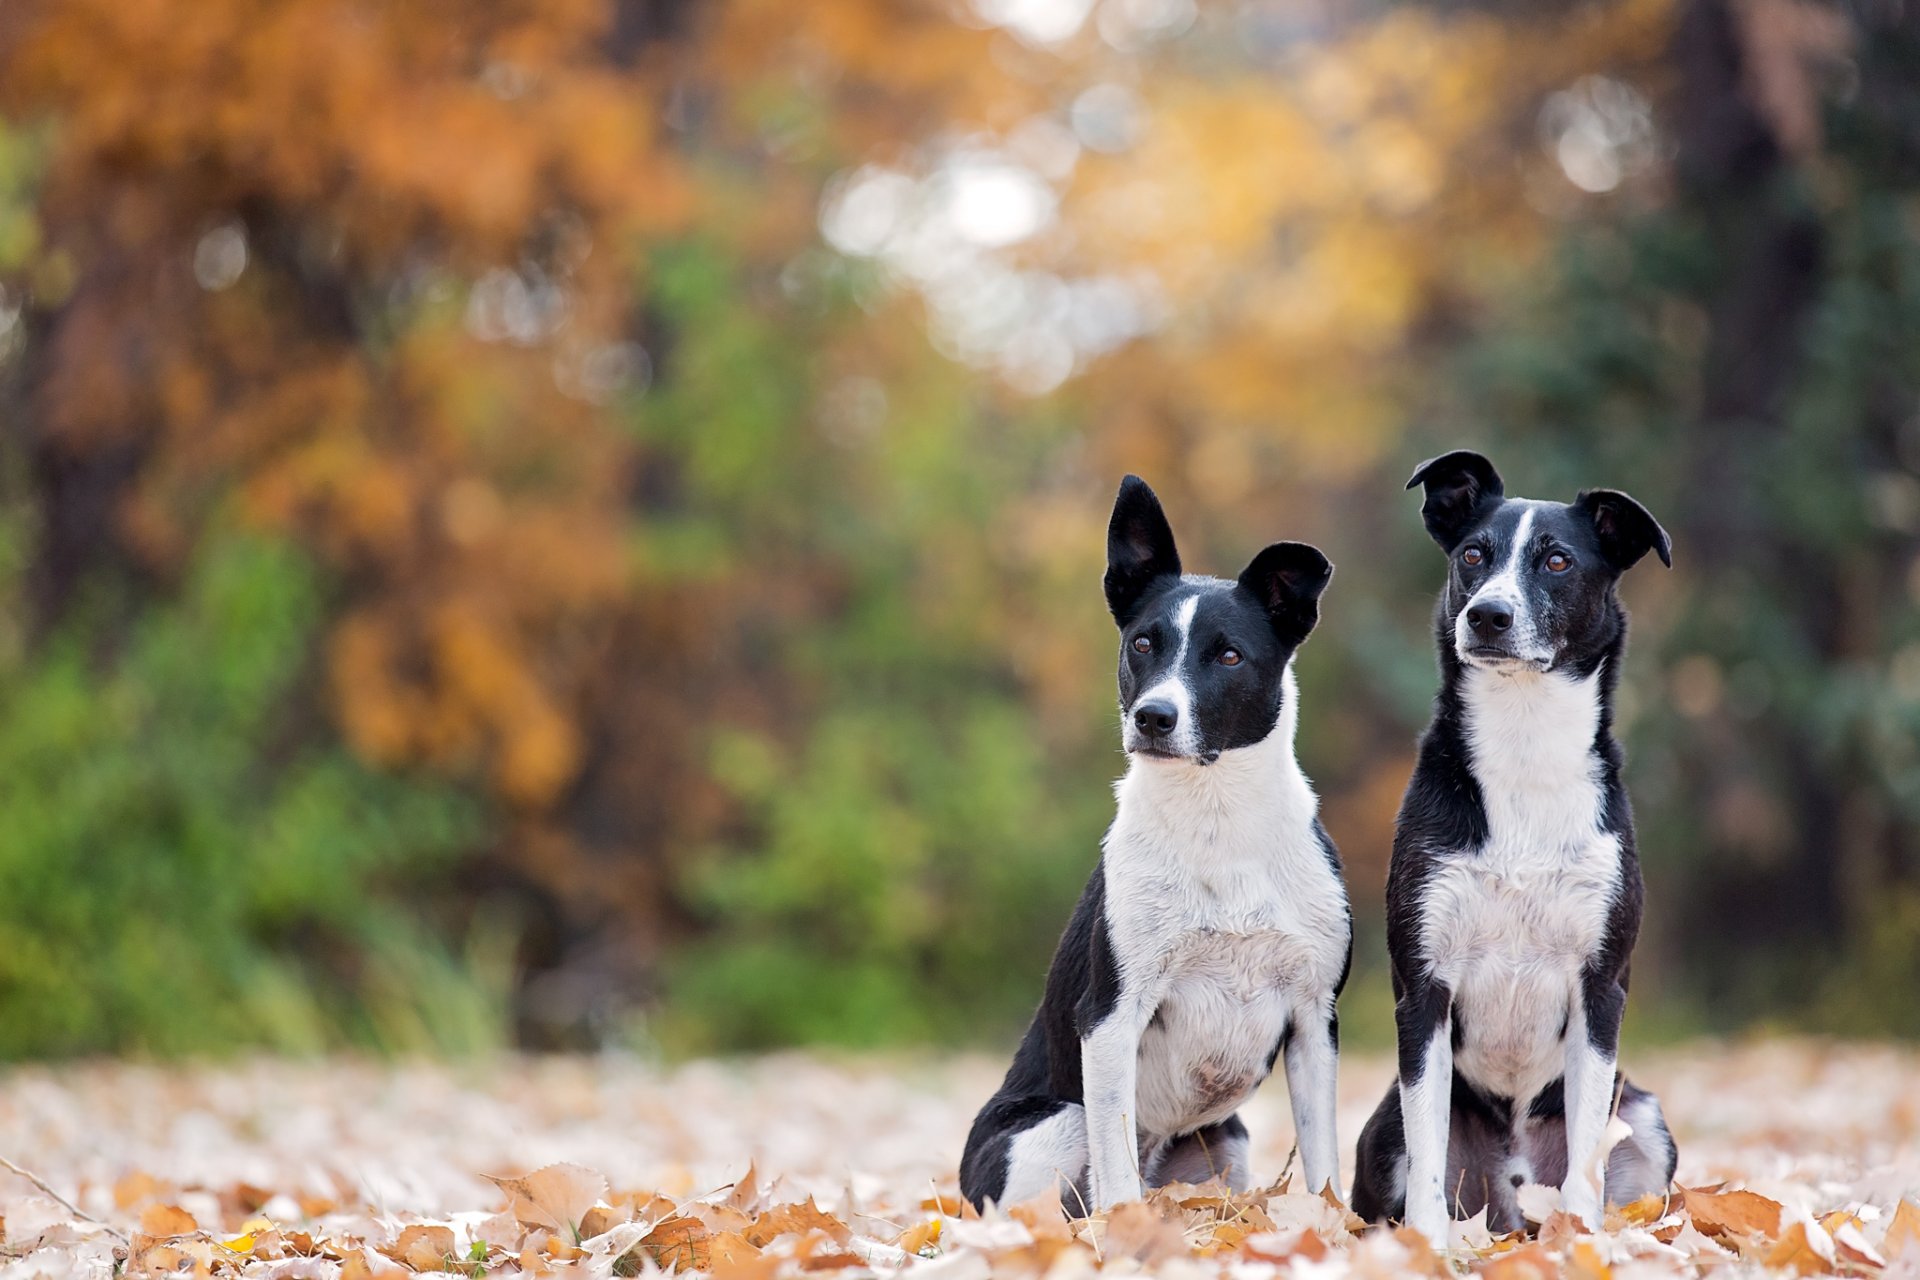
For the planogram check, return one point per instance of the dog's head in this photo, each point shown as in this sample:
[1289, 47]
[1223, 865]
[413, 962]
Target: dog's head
[1530, 585]
[1203, 661]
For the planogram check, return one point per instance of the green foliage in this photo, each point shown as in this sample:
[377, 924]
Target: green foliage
[904, 862]
[174, 879]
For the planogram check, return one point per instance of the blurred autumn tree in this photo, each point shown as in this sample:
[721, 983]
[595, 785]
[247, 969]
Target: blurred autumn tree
[523, 513]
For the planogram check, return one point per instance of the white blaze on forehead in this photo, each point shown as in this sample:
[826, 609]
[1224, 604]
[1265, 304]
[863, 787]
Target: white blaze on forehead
[1504, 588]
[1174, 688]
[1505, 585]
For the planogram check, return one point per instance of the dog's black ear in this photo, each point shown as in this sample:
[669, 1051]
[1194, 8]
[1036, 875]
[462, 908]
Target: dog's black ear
[1287, 579]
[1460, 486]
[1140, 549]
[1626, 529]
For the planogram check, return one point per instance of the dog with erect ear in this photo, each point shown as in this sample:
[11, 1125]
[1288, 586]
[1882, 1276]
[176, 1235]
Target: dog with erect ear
[1514, 894]
[1213, 937]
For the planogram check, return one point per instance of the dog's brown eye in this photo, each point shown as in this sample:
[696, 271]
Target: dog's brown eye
[1142, 645]
[1558, 563]
[1230, 657]
[1472, 556]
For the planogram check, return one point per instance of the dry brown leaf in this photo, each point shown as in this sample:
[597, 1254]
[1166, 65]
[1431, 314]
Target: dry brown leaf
[1136, 1230]
[134, 1188]
[250, 1197]
[919, 1238]
[1561, 1229]
[600, 1219]
[1585, 1263]
[174, 1258]
[745, 1194]
[556, 1197]
[1732, 1213]
[1528, 1262]
[1044, 1217]
[315, 1206]
[1645, 1211]
[163, 1220]
[821, 1251]
[949, 1205]
[1903, 1233]
[423, 1247]
[1802, 1251]
[678, 1244]
[1852, 1246]
[1421, 1258]
[790, 1218]
[1282, 1246]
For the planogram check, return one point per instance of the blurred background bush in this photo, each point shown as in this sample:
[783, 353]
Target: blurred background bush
[580, 522]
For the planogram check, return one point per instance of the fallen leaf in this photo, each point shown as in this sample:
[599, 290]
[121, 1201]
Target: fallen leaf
[557, 1196]
[918, 1239]
[423, 1247]
[1135, 1230]
[678, 1244]
[1851, 1245]
[1804, 1249]
[163, 1220]
[1584, 1261]
[1645, 1211]
[791, 1218]
[1903, 1232]
[1561, 1229]
[134, 1188]
[600, 1219]
[1529, 1262]
[1732, 1213]
[1282, 1246]
[1044, 1216]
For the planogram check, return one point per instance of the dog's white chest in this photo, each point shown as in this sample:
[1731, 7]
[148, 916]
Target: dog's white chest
[1239, 939]
[1509, 925]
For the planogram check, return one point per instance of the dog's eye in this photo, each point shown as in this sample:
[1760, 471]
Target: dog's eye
[1229, 657]
[1141, 644]
[1559, 563]
[1472, 556]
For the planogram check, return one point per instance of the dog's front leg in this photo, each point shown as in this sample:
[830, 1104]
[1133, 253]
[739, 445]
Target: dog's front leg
[1109, 1070]
[1593, 1043]
[1313, 1065]
[1424, 1022]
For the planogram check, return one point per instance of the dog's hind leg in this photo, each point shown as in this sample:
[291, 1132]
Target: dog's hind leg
[1642, 1165]
[1022, 1147]
[1380, 1163]
[1218, 1150]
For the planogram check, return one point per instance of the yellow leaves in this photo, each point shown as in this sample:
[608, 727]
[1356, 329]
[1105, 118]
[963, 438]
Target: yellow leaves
[921, 1237]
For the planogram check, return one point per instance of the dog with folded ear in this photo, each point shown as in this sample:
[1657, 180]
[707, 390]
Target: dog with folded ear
[1514, 894]
[1213, 937]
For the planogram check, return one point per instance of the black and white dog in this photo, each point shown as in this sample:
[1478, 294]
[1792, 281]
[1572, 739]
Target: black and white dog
[1214, 935]
[1514, 895]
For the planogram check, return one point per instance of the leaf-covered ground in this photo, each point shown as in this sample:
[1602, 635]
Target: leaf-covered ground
[1796, 1159]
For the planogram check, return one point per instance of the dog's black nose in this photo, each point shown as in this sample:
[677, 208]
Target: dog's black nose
[1156, 718]
[1489, 620]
